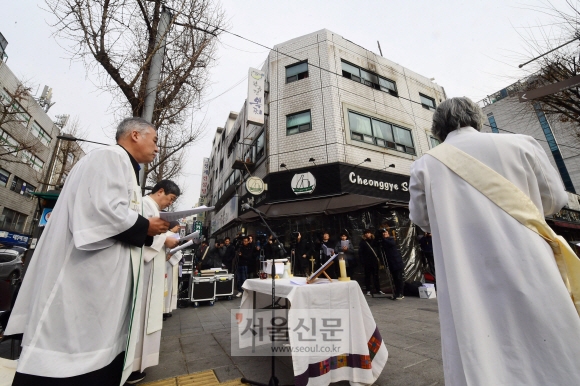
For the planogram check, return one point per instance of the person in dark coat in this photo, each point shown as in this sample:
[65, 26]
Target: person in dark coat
[245, 255]
[333, 271]
[426, 243]
[229, 254]
[392, 253]
[348, 251]
[368, 253]
[301, 256]
[213, 258]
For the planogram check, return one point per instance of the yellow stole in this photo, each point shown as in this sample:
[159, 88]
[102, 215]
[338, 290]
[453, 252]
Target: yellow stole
[514, 202]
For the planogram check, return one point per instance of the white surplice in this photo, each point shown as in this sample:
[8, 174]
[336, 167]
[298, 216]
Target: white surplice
[506, 317]
[171, 278]
[147, 350]
[74, 307]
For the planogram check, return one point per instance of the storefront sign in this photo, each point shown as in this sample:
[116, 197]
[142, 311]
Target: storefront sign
[46, 212]
[355, 178]
[255, 186]
[204, 177]
[303, 183]
[255, 102]
[225, 215]
[13, 238]
[336, 179]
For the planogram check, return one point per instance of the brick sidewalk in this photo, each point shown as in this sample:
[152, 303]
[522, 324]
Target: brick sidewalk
[198, 339]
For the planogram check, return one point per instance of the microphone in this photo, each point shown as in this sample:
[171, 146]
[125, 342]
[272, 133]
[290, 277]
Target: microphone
[248, 207]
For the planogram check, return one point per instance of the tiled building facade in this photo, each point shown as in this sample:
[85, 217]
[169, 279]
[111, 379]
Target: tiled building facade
[330, 105]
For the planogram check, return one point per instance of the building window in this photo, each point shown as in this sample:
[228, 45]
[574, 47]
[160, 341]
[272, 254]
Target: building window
[221, 165]
[296, 72]
[20, 186]
[4, 176]
[298, 123]
[260, 146]
[21, 115]
[434, 142]
[380, 133]
[39, 133]
[234, 142]
[70, 159]
[360, 75]
[13, 220]
[492, 123]
[32, 160]
[8, 142]
[554, 148]
[5, 98]
[427, 102]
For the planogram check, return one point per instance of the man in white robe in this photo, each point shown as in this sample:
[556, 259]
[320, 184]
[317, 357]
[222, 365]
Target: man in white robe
[164, 193]
[171, 273]
[506, 316]
[76, 302]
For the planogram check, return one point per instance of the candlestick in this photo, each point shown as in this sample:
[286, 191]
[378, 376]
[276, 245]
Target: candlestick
[342, 266]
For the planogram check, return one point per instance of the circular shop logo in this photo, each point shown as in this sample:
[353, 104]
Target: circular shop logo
[303, 183]
[255, 186]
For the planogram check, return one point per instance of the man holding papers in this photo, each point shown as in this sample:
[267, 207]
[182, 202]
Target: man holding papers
[164, 193]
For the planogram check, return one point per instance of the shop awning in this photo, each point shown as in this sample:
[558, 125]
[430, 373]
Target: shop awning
[327, 205]
[50, 195]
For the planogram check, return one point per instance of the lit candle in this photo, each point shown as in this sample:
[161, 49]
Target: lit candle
[342, 265]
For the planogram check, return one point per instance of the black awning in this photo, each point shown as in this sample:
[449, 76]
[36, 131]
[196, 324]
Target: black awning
[326, 205]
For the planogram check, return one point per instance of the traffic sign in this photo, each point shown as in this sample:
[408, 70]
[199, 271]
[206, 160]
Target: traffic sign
[549, 89]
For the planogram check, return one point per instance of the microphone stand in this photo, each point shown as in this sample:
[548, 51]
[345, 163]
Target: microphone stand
[273, 380]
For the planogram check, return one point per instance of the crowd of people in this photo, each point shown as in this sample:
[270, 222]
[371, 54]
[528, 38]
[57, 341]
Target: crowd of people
[377, 254]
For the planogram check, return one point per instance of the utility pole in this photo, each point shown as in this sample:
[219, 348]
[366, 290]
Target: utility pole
[154, 75]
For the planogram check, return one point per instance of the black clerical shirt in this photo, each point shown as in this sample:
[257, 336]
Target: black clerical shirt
[137, 234]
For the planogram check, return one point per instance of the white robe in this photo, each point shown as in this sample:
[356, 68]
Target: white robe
[147, 351]
[506, 317]
[74, 307]
[171, 275]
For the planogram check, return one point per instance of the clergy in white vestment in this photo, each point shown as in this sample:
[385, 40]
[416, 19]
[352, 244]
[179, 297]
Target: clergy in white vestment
[506, 315]
[75, 305]
[164, 193]
[171, 273]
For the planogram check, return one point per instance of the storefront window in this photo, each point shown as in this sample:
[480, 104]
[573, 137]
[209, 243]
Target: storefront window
[4, 176]
[13, 220]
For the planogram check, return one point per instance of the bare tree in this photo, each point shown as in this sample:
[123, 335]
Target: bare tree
[557, 66]
[117, 38]
[13, 116]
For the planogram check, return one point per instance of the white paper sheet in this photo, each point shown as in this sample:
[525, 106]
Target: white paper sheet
[188, 244]
[174, 216]
[192, 236]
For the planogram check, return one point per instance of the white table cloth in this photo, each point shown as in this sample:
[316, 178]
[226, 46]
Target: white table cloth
[368, 354]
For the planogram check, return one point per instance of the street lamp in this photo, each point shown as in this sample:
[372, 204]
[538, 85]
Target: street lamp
[52, 163]
[366, 160]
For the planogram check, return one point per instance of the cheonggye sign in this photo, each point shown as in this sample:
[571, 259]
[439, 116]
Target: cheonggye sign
[303, 183]
[382, 185]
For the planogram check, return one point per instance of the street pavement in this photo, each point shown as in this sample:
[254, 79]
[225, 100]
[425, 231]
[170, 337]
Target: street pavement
[198, 339]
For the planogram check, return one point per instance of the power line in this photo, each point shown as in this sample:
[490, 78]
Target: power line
[334, 73]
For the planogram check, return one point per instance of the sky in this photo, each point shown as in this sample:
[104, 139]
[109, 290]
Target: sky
[471, 48]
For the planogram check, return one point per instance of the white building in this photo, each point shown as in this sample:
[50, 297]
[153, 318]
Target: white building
[329, 106]
[505, 114]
